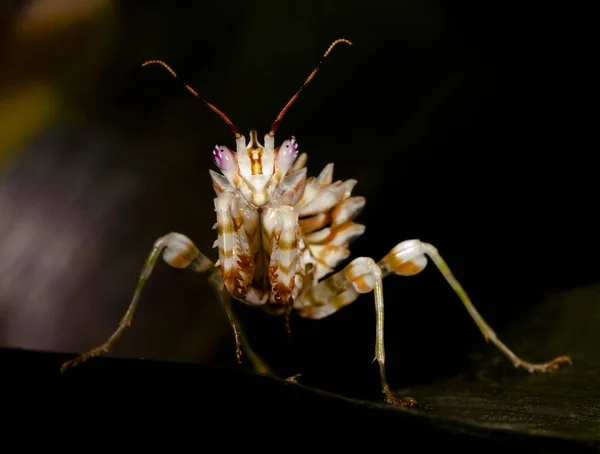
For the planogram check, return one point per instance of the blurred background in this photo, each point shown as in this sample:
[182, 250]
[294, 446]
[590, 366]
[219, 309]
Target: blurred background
[468, 126]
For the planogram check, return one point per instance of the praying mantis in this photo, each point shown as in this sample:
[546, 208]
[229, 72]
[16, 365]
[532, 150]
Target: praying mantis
[280, 236]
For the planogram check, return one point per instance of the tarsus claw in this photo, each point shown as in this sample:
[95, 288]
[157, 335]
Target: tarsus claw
[544, 367]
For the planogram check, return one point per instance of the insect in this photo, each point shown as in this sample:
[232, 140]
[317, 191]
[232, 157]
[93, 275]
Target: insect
[281, 235]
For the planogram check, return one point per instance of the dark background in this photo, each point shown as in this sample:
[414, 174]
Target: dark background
[468, 126]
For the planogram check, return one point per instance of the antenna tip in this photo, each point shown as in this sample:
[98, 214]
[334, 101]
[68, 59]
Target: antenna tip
[343, 40]
[153, 62]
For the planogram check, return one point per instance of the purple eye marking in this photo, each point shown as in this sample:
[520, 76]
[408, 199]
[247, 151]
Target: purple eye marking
[223, 158]
[288, 152]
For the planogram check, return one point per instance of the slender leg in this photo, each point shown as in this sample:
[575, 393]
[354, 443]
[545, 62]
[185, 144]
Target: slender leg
[233, 323]
[288, 313]
[281, 231]
[179, 252]
[362, 275]
[259, 365]
[408, 258]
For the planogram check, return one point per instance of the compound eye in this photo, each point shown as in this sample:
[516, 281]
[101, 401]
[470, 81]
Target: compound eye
[288, 152]
[224, 158]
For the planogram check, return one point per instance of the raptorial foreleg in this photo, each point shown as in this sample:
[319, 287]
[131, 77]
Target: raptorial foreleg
[238, 242]
[283, 264]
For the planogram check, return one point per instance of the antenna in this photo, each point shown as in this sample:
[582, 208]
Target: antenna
[275, 124]
[224, 117]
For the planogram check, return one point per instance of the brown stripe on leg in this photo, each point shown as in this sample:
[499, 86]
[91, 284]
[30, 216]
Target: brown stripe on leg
[283, 265]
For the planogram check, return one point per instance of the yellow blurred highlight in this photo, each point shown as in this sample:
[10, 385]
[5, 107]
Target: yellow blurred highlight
[23, 113]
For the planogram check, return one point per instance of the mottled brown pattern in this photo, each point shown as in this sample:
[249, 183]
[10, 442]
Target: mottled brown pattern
[285, 269]
[331, 286]
[409, 268]
[184, 259]
[287, 244]
[316, 222]
[180, 261]
[398, 266]
[217, 187]
[362, 285]
[246, 264]
[233, 284]
[255, 156]
[225, 227]
[234, 280]
[309, 296]
[238, 223]
[335, 231]
[280, 292]
[347, 209]
[329, 250]
[226, 253]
